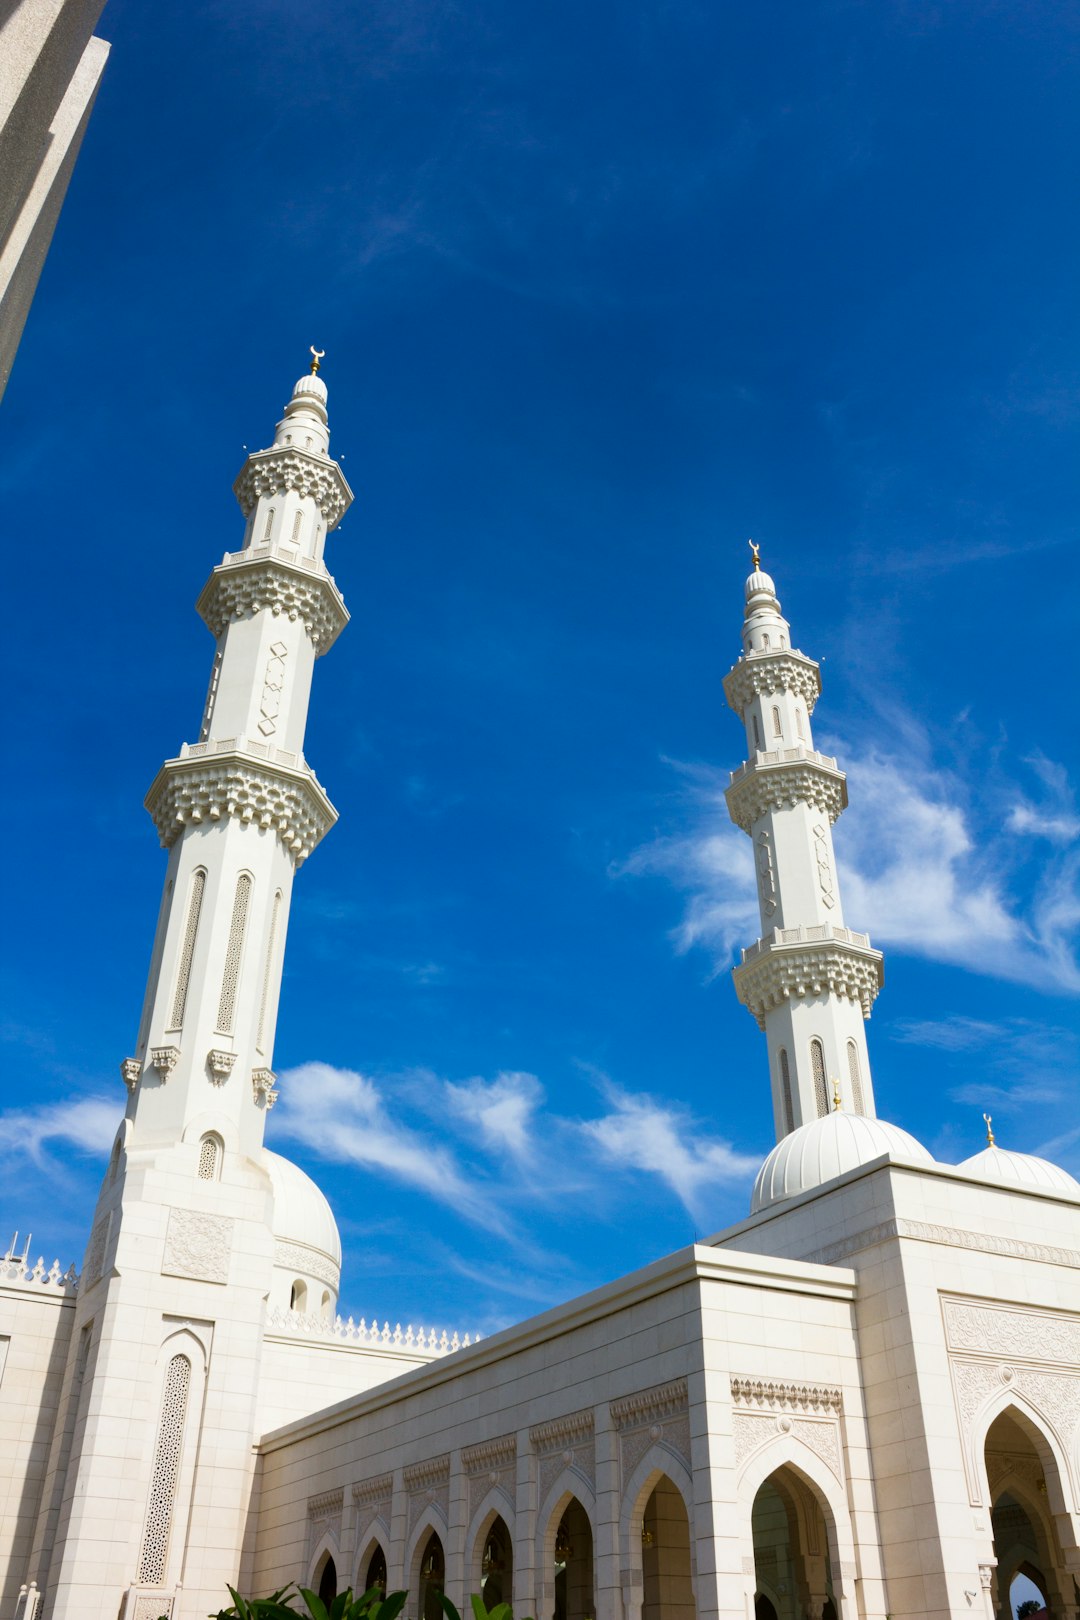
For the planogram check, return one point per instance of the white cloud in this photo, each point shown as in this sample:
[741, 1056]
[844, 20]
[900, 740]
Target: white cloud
[87, 1124]
[642, 1134]
[502, 1110]
[917, 870]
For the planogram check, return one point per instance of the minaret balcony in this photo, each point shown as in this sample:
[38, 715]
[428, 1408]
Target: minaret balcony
[782, 778]
[236, 776]
[266, 577]
[764, 672]
[285, 467]
[808, 962]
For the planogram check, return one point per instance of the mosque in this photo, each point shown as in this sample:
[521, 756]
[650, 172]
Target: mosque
[862, 1402]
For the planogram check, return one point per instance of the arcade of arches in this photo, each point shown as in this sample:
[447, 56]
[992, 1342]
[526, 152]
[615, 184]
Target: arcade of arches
[1030, 1527]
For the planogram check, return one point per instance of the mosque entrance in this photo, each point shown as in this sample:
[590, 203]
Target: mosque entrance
[792, 1568]
[1030, 1527]
[667, 1588]
[574, 1565]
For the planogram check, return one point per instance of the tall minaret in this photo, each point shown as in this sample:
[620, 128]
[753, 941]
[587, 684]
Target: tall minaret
[146, 1492]
[809, 981]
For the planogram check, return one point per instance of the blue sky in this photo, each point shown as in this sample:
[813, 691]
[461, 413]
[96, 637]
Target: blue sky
[604, 290]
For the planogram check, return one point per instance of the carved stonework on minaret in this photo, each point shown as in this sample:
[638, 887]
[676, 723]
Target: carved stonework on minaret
[809, 981]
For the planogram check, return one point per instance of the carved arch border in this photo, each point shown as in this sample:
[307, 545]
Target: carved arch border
[432, 1521]
[327, 1546]
[978, 1425]
[786, 1451]
[571, 1483]
[659, 1462]
[372, 1540]
[497, 1504]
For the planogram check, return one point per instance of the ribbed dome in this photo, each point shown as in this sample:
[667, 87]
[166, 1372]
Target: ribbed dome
[310, 384]
[1020, 1170]
[760, 584]
[301, 1212]
[827, 1148]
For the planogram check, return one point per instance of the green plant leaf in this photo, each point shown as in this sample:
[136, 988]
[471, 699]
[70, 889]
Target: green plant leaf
[391, 1606]
[316, 1606]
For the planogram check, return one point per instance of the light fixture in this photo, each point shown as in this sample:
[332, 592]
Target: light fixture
[647, 1537]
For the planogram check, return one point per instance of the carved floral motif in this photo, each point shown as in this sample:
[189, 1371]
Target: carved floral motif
[298, 1257]
[197, 1245]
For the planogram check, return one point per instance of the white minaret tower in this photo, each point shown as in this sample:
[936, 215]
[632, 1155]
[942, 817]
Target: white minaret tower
[809, 981]
[146, 1493]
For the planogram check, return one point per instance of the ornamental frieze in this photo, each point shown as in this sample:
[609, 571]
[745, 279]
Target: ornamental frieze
[783, 778]
[269, 471]
[764, 674]
[201, 786]
[249, 583]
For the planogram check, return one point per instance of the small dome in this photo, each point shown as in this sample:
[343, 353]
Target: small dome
[310, 383]
[827, 1148]
[301, 1212]
[760, 584]
[1020, 1170]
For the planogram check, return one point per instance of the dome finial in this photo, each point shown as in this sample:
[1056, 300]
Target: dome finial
[989, 1133]
[316, 356]
[836, 1102]
[755, 555]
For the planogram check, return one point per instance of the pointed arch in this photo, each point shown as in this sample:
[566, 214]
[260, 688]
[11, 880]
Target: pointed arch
[326, 1551]
[431, 1522]
[375, 1541]
[1040, 1430]
[496, 1505]
[658, 1464]
[784, 1452]
[571, 1486]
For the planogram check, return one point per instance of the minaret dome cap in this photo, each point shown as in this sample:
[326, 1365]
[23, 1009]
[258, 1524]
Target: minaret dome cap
[310, 386]
[760, 584]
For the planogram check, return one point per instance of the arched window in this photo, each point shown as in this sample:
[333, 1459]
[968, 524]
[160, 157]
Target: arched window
[230, 978]
[778, 730]
[855, 1077]
[785, 1092]
[757, 731]
[268, 531]
[298, 1296]
[764, 641]
[817, 1069]
[114, 1161]
[296, 523]
[167, 1454]
[327, 1304]
[211, 1148]
[497, 1565]
[799, 724]
[187, 949]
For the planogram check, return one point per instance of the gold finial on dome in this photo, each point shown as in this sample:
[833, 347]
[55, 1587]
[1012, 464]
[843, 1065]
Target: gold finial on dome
[316, 356]
[755, 555]
[989, 1133]
[836, 1102]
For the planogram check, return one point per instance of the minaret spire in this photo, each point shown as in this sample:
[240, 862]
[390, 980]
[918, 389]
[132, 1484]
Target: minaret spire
[809, 980]
[240, 809]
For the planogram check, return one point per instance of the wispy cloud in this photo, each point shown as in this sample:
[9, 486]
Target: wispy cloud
[1022, 1061]
[88, 1124]
[925, 868]
[502, 1110]
[640, 1133]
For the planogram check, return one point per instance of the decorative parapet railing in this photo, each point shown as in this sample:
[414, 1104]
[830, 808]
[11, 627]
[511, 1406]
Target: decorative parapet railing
[15, 1270]
[227, 777]
[428, 1342]
[804, 935]
[778, 778]
[266, 577]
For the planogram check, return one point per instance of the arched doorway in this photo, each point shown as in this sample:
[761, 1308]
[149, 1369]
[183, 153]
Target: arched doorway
[573, 1564]
[667, 1589]
[375, 1574]
[792, 1569]
[432, 1579]
[328, 1580]
[1026, 1520]
[497, 1565]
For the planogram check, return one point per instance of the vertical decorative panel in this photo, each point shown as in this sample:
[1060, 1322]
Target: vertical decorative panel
[187, 950]
[231, 977]
[170, 1443]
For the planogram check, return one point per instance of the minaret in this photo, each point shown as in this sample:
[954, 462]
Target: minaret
[809, 981]
[146, 1492]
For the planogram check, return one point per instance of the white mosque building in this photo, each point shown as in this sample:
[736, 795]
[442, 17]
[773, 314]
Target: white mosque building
[862, 1402]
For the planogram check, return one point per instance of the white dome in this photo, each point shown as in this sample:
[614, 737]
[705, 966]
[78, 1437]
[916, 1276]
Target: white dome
[1020, 1170]
[760, 584]
[827, 1148]
[301, 1212]
[310, 385]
